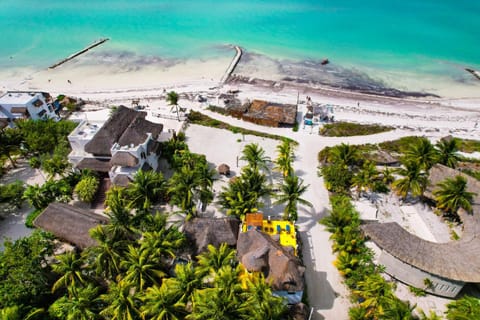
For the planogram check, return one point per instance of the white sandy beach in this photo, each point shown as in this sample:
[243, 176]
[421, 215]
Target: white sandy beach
[108, 85]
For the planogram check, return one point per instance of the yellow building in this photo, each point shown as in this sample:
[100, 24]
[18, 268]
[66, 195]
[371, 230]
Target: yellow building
[283, 228]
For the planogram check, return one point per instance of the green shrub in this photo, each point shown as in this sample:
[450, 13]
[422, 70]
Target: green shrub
[12, 193]
[31, 217]
[400, 144]
[204, 120]
[346, 129]
[295, 126]
[337, 178]
[469, 146]
[86, 188]
[35, 162]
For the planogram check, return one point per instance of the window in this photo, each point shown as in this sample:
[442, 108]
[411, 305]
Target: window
[41, 113]
[38, 103]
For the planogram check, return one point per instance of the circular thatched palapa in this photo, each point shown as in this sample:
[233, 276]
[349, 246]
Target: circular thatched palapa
[224, 169]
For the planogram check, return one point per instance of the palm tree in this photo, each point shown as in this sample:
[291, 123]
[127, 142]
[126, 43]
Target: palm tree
[146, 188]
[10, 141]
[372, 290]
[206, 178]
[285, 158]
[255, 156]
[210, 262]
[162, 243]
[243, 194]
[414, 180]
[396, 309]
[141, 270]
[185, 282]
[264, 305]
[447, 152]
[70, 267]
[11, 313]
[122, 222]
[84, 305]
[465, 308]
[452, 195]
[344, 154]
[290, 193]
[421, 152]
[162, 303]
[172, 99]
[224, 300]
[365, 178]
[342, 215]
[184, 187]
[106, 253]
[121, 302]
[255, 181]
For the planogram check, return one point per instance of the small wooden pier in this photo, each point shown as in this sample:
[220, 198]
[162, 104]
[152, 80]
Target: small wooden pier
[232, 65]
[475, 73]
[76, 54]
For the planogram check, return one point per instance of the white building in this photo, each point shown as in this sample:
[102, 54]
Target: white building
[23, 104]
[120, 147]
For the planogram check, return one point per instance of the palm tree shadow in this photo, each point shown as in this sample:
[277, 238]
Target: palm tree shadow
[310, 217]
[300, 173]
[322, 295]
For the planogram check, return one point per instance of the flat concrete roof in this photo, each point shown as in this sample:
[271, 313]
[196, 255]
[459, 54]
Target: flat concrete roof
[18, 98]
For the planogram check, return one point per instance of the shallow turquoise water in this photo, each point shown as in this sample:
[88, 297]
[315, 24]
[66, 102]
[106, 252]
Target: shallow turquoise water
[432, 36]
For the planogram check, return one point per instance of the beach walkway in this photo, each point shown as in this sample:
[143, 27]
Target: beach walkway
[76, 54]
[327, 294]
[232, 65]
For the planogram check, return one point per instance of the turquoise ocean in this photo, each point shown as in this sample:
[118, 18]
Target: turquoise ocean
[437, 38]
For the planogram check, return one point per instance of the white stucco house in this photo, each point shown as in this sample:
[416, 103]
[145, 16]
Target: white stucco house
[120, 147]
[25, 104]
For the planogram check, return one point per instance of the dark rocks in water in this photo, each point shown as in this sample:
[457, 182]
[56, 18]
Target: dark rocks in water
[366, 88]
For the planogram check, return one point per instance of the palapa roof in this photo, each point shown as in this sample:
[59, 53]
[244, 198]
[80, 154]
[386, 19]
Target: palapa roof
[279, 113]
[456, 260]
[95, 164]
[259, 252]
[223, 169]
[439, 173]
[137, 132]
[121, 180]
[124, 159]
[214, 231]
[69, 223]
[382, 157]
[112, 130]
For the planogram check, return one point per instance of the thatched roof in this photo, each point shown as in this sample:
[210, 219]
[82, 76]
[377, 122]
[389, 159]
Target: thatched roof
[214, 231]
[439, 173]
[258, 251]
[382, 157]
[224, 169]
[457, 260]
[69, 223]
[124, 159]
[273, 114]
[137, 132]
[121, 180]
[95, 164]
[112, 130]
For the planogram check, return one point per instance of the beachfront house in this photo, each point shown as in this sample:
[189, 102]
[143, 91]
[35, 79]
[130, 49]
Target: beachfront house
[438, 268]
[269, 246]
[25, 104]
[120, 147]
[260, 252]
